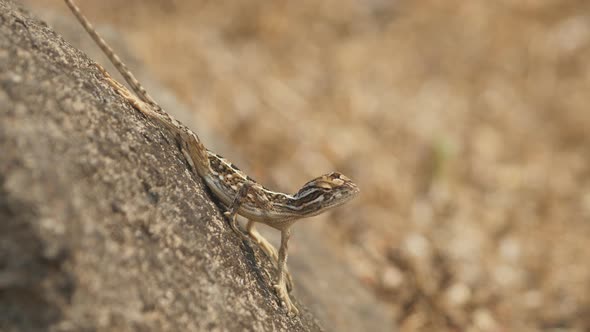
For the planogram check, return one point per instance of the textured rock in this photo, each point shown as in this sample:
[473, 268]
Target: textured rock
[102, 225]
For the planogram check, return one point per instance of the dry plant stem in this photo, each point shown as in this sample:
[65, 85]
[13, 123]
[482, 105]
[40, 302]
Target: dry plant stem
[233, 188]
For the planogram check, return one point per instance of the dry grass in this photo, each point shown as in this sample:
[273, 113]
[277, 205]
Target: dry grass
[465, 123]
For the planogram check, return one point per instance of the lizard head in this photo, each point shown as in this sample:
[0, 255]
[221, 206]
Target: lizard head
[324, 192]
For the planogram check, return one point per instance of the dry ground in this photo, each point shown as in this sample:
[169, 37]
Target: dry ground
[465, 123]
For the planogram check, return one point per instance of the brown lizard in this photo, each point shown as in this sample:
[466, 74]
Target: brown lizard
[241, 194]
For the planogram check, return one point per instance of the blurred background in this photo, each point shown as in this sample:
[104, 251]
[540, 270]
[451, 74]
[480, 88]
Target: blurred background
[465, 124]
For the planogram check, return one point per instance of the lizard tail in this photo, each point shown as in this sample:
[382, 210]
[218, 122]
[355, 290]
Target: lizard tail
[121, 67]
[197, 153]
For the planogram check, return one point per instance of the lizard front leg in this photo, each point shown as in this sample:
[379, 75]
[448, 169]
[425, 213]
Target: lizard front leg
[269, 250]
[232, 213]
[280, 286]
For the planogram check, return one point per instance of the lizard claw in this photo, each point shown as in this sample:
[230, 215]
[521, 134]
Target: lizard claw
[283, 295]
[235, 227]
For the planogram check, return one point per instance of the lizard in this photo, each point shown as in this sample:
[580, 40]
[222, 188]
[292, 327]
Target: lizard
[236, 191]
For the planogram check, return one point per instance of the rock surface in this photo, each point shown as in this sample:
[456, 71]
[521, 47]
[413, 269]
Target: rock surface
[102, 225]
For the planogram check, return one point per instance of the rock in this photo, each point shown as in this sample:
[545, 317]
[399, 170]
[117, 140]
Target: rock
[102, 225]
